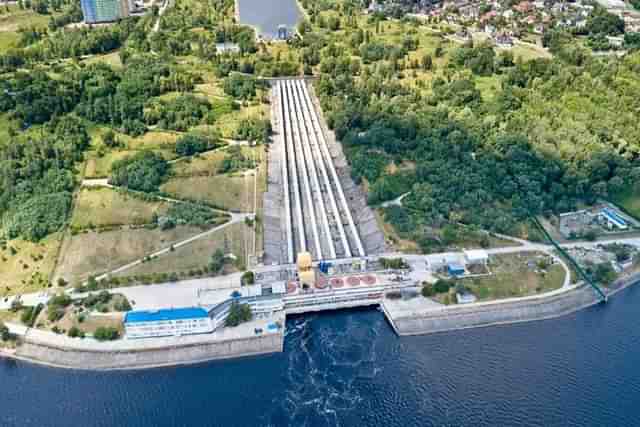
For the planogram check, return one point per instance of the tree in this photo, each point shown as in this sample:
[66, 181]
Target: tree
[443, 285]
[603, 22]
[427, 290]
[248, 278]
[5, 335]
[144, 171]
[109, 139]
[92, 283]
[193, 143]
[427, 62]
[217, 261]
[604, 273]
[238, 313]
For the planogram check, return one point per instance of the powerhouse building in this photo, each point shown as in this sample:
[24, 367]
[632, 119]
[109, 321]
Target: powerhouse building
[167, 322]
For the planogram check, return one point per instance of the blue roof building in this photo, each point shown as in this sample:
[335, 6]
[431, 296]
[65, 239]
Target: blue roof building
[455, 269]
[167, 322]
[165, 314]
[614, 219]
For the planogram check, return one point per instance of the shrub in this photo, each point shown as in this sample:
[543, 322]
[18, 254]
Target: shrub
[106, 333]
[60, 300]
[122, 305]
[55, 313]
[443, 285]
[188, 213]
[30, 314]
[75, 332]
[427, 290]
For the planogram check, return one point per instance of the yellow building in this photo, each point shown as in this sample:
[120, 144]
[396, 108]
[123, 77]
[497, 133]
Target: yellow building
[306, 272]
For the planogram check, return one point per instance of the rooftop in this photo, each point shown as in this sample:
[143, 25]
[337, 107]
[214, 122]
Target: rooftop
[165, 314]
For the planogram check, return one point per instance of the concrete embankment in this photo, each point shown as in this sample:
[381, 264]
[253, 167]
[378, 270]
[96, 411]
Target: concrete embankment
[60, 351]
[416, 321]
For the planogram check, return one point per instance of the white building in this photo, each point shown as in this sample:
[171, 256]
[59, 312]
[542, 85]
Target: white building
[167, 322]
[476, 256]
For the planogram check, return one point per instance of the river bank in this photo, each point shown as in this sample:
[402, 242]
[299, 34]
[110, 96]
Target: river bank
[421, 319]
[46, 348]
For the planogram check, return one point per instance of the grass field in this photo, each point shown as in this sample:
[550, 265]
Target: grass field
[513, 278]
[222, 191]
[197, 254]
[199, 165]
[392, 238]
[18, 18]
[105, 206]
[93, 253]
[8, 41]
[228, 123]
[209, 163]
[29, 268]
[112, 59]
[527, 52]
[8, 316]
[630, 201]
[89, 324]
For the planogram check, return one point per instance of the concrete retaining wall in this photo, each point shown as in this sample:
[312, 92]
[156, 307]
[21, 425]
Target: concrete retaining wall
[462, 317]
[156, 357]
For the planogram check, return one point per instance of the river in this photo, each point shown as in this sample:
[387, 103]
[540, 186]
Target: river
[348, 368]
[267, 15]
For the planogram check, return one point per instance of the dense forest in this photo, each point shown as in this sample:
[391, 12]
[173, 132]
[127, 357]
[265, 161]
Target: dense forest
[50, 99]
[557, 133]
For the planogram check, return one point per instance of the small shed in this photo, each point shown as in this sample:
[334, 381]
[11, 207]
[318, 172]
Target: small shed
[465, 298]
[455, 269]
[476, 256]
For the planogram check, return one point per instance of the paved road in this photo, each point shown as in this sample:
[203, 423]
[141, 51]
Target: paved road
[31, 299]
[415, 260]
[161, 11]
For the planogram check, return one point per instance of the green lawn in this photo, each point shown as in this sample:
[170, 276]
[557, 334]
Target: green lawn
[112, 59]
[107, 207]
[513, 278]
[196, 255]
[222, 191]
[630, 201]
